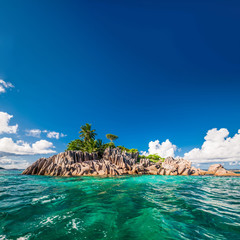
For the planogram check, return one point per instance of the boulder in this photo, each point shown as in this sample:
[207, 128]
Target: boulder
[161, 171]
[153, 170]
[186, 172]
[145, 162]
[170, 164]
[213, 168]
[223, 172]
[176, 166]
[219, 170]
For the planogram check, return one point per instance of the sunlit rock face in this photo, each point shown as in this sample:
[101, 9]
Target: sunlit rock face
[219, 170]
[76, 163]
[115, 162]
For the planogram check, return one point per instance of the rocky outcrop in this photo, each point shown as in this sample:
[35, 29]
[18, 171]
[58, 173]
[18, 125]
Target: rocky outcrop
[213, 168]
[219, 170]
[113, 163]
[178, 166]
[77, 163]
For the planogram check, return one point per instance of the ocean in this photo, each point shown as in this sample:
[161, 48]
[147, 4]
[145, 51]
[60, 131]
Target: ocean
[125, 207]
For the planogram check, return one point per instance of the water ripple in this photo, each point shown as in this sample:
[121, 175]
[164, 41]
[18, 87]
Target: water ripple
[140, 207]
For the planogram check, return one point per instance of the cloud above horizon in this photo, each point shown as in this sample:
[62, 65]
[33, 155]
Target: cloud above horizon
[217, 147]
[164, 149]
[4, 85]
[55, 135]
[9, 163]
[4, 123]
[33, 132]
[8, 146]
[49, 134]
[10, 149]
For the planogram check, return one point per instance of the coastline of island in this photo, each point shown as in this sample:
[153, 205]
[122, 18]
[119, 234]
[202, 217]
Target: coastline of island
[87, 156]
[116, 162]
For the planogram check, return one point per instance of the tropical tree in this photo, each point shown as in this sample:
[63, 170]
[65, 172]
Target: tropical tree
[111, 137]
[75, 145]
[91, 146]
[132, 150]
[99, 144]
[88, 143]
[100, 147]
[109, 145]
[87, 133]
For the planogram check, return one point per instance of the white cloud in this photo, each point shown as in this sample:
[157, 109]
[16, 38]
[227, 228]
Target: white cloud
[34, 132]
[50, 134]
[10, 150]
[218, 147]
[4, 85]
[53, 134]
[234, 163]
[9, 163]
[164, 149]
[4, 124]
[7, 145]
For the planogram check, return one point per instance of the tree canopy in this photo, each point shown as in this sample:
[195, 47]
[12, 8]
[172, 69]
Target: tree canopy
[111, 137]
[87, 133]
[88, 143]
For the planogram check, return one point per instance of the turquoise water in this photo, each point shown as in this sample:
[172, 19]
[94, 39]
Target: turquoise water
[141, 207]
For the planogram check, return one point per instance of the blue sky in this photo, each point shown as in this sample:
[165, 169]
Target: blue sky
[143, 70]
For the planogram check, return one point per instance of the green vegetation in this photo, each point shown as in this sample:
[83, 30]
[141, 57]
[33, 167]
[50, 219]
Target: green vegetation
[111, 137]
[88, 143]
[152, 157]
[132, 150]
[86, 133]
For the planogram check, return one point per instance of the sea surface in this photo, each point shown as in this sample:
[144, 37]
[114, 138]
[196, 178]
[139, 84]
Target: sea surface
[127, 207]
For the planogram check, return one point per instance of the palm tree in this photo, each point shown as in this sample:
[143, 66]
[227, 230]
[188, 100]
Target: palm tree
[87, 133]
[91, 146]
[75, 145]
[111, 137]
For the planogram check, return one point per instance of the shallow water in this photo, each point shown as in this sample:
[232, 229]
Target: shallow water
[141, 207]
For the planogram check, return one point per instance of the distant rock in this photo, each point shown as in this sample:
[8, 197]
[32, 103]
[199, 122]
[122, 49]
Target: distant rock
[213, 168]
[113, 163]
[219, 170]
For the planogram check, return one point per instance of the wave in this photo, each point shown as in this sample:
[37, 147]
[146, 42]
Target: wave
[126, 207]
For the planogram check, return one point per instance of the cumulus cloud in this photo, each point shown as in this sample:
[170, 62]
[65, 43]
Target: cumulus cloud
[9, 163]
[217, 147]
[10, 150]
[8, 146]
[164, 149]
[50, 134]
[4, 124]
[4, 85]
[55, 135]
[234, 163]
[33, 133]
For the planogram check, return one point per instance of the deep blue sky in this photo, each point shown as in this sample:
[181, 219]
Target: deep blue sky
[143, 70]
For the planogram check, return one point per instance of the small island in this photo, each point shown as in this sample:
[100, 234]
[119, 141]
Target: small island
[87, 156]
